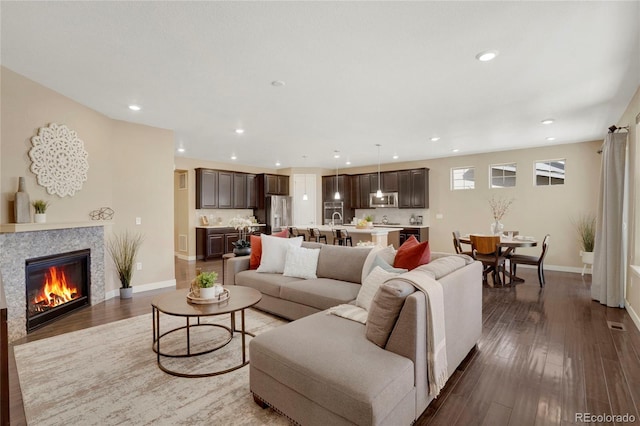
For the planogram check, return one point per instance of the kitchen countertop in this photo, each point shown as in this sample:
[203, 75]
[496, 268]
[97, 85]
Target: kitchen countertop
[380, 225]
[351, 228]
[228, 226]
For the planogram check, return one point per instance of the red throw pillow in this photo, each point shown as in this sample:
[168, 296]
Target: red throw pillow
[256, 248]
[412, 254]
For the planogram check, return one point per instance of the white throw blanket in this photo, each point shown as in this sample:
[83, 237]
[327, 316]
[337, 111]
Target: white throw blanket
[437, 368]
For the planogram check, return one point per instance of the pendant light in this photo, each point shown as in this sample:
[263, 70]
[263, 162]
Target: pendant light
[336, 196]
[305, 197]
[378, 192]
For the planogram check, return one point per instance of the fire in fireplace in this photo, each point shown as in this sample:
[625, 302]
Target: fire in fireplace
[56, 285]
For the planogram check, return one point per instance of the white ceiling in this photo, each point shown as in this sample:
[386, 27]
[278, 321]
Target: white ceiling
[357, 73]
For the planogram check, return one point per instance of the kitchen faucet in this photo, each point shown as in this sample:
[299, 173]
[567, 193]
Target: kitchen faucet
[333, 218]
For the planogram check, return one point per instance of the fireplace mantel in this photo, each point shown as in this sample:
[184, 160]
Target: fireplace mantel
[10, 228]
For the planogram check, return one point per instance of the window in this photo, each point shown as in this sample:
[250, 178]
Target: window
[549, 172]
[503, 175]
[463, 178]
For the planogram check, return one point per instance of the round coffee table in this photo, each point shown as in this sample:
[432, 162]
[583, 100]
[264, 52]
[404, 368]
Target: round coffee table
[175, 304]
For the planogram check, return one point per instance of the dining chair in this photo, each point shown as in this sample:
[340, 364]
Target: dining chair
[458, 245]
[317, 235]
[294, 232]
[522, 259]
[487, 250]
[342, 237]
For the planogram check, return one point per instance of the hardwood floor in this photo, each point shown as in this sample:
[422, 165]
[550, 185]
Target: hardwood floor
[544, 355]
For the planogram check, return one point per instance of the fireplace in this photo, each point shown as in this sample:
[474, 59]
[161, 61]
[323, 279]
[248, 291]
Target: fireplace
[56, 285]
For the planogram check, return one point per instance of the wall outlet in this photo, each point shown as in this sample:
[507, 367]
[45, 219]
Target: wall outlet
[138, 221]
[139, 266]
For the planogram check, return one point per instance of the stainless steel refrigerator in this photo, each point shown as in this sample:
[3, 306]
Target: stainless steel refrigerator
[278, 212]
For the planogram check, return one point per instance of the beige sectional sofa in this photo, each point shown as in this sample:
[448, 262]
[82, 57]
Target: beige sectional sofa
[321, 369]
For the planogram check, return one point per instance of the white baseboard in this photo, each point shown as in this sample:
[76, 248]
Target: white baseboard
[184, 257]
[633, 314]
[143, 287]
[558, 268]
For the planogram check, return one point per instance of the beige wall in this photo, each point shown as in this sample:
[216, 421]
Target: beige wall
[536, 211]
[629, 118]
[130, 170]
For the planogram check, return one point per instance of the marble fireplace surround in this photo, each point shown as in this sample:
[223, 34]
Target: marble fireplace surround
[21, 242]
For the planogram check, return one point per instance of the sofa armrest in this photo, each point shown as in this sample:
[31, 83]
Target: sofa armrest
[233, 266]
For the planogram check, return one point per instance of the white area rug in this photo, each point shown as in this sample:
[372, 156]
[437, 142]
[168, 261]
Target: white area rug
[107, 375]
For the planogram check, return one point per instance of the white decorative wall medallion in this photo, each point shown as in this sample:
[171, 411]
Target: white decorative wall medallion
[59, 160]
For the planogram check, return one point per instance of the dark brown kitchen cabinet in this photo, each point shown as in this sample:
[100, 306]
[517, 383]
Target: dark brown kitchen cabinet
[389, 182]
[206, 189]
[229, 239]
[413, 188]
[252, 191]
[365, 189]
[210, 242]
[329, 188]
[276, 185]
[354, 183]
[225, 190]
[239, 191]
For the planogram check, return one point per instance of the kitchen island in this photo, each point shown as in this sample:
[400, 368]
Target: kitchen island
[379, 235]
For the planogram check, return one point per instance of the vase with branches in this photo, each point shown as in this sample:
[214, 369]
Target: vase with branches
[499, 207]
[123, 249]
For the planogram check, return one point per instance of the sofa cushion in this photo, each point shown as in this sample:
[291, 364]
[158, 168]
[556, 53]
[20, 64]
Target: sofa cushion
[256, 248]
[320, 357]
[445, 265]
[265, 283]
[370, 286]
[412, 254]
[301, 262]
[321, 293]
[377, 254]
[384, 310]
[274, 252]
[342, 263]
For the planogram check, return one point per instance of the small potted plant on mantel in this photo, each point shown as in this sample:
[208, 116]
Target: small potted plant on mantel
[41, 211]
[123, 249]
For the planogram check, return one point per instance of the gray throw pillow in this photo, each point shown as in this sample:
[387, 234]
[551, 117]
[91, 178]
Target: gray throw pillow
[385, 309]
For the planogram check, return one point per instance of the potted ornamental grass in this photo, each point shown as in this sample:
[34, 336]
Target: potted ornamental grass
[40, 207]
[586, 229]
[123, 249]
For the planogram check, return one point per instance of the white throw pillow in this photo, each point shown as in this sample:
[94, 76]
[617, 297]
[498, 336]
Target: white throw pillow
[274, 252]
[301, 263]
[370, 286]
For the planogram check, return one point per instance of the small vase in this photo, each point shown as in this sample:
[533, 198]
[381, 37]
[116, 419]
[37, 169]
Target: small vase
[244, 251]
[126, 292]
[496, 228]
[40, 217]
[22, 205]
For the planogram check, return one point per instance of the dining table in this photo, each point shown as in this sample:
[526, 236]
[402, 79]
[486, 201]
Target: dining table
[508, 244]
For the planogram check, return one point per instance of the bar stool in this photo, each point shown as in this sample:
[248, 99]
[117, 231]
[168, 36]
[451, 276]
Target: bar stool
[342, 237]
[293, 233]
[317, 236]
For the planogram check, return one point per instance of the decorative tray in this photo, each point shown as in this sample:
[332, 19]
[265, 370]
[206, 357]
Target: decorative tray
[198, 301]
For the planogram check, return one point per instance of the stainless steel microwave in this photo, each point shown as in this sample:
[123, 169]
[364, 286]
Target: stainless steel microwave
[388, 199]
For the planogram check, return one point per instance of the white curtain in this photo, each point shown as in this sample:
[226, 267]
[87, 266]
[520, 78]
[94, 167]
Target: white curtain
[609, 262]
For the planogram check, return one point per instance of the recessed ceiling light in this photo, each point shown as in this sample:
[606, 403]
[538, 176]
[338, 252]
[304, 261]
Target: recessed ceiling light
[336, 154]
[551, 138]
[395, 156]
[434, 139]
[180, 149]
[487, 55]
[348, 163]
[547, 121]
[134, 108]
[277, 164]
[239, 131]
[278, 83]
[455, 150]
[233, 157]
